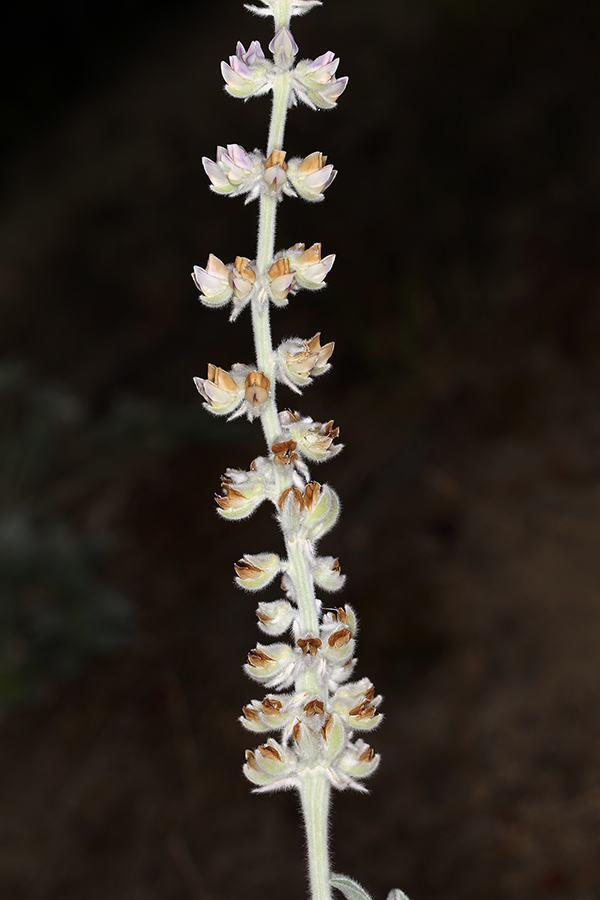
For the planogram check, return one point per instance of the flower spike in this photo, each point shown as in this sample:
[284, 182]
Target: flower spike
[313, 709]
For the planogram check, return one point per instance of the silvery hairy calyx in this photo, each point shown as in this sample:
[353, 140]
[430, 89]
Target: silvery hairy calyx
[319, 716]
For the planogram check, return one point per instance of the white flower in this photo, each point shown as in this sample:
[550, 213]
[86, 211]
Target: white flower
[213, 282]
[314, 84]
[308, 266]
[248, 74]
[311, 176]
[223, 391]
[298, 360]
[234, 171]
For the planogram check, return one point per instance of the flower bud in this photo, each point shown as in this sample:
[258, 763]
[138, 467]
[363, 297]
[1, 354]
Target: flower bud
[213, 282]
[256, 571]
[284, 48]
[311, 176]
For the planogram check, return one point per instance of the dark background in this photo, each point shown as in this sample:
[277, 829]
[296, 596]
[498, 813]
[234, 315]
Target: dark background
[464, 306]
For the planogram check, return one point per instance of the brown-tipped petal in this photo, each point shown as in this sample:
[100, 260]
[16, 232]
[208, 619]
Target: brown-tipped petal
[257, 388]
[312, 492]
[243, 269]
[284, 452]
[246, 571]
[259, 660]
[277, 158]
[269, 752]
[310, 257]
[314, 708]
[271, 705]
[263, 618]
[366, 713]
[356, 711]
[297, 495]
[370, 693]
[250, 761]
[312, 163]
[309, 645]
[326, 729]
[339, 638]
[281, 267]
[367, 755]
[314, 344]
[342, 615]
[296, 732]
[232, 500]
[224, 380]
[325, 354]
[250, 713]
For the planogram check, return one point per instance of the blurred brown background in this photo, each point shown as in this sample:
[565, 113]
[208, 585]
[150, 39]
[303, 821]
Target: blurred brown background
[464, 306]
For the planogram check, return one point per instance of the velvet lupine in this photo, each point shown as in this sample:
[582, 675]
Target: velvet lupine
[313, 715]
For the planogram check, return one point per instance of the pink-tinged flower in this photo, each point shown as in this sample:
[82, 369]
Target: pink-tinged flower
[235, 171]
[309, 268]
[256, 393]
[284, 48]
[248, 72]
[281, 281]
[314, 82]
[242, 279]
[275, 171]
[311, 176]
[213, 282]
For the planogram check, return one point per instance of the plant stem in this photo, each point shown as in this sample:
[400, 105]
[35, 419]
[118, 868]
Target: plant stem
[314, 784]
[267, 218]
[314, 794]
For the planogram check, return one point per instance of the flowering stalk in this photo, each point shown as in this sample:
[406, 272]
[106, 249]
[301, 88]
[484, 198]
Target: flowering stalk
[312, 705]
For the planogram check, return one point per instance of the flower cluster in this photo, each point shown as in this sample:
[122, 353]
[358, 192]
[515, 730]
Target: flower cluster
[235, 172]
[239, 282]
[312, 81]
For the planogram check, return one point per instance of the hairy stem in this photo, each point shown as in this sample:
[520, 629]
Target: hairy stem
[314, 794]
